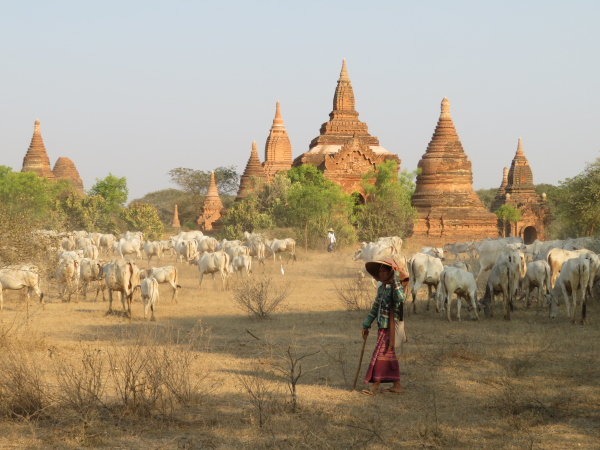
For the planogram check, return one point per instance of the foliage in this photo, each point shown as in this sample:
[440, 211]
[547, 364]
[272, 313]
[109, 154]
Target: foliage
[487, 196]
[143, 217]
[508, 214]
[387, 210]
[165, 201]
[87, 213]
[196, 182]
[113, 189]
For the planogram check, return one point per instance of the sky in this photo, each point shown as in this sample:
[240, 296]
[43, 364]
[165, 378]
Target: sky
[139, 88]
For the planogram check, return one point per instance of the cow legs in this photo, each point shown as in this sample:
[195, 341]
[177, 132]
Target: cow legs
[429, 288]
[174, 297]
[414, 297]
[458, 305]
[507, 299]
[110, 300]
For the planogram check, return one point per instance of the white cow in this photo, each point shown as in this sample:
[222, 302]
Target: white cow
[257, 249]
[67, 275]
[213, 263]
[536, 277]
[463, 266]
[130, 235]
[128, 247]
[168, 245]
[394, 241]
[153, 249]
[84, 242]
[423, 269]
[90, 270]
[79, 234]
[187, 235]
[164, 275]
[240, 263]
[149, 289]
[500, 281]
[574, 276]
[185, 249]
[121, 275]
[457, 248]
[106, 243]
[91, 252]
[77, 254]
[15, 278]
[206, 244]
[95, 237]
[436, 252]
[278, 246]
[367, 251]
[557, 257]
[459, 282]
[68, 244]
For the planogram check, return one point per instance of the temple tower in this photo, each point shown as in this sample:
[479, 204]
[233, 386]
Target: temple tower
[64, 169]
[253, 169]
[444, 197]
[520, 193]
[36, 159]
[278, 149]
[176, 223]
[344, 133]
[212, 210]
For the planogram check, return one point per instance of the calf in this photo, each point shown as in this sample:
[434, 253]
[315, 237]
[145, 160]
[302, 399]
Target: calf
[501, 281]
[240, 263]
[164, 275]
[459, 282]
[537, 277]
[423, 269]
[149, 289]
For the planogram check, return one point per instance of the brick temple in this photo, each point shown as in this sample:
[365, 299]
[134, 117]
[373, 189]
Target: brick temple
[212, 209]
[446, 203]
[253, 169]
[517, 189]
[344, 149]
[278, 149]
[36, 160]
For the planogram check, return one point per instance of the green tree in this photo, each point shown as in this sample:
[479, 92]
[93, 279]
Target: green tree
[143, 217]
[387, 210]
[196, 182]
[113, 189]
[165, 201]
[87, 213]
[507, 214]
[487, 196]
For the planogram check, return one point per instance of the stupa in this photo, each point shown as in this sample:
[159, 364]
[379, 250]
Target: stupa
[278, 149]
[344, 149]
[212, 210]
[36, 159]
[253, 169]
[64, 169]
[446, 203]
[176, 223]
[519, 192]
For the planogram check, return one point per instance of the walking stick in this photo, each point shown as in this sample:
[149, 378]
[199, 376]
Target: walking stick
[362, 352]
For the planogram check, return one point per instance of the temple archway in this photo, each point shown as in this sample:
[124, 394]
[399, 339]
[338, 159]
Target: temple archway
[529, 235]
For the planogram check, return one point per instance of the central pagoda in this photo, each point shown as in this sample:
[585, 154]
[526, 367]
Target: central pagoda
[344, 149]
[444, 197]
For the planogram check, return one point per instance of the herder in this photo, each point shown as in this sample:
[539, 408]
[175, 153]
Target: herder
[330, 240]
[390, 295]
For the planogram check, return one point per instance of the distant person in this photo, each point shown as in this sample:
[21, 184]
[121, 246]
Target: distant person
[384, 362]
[330, 240]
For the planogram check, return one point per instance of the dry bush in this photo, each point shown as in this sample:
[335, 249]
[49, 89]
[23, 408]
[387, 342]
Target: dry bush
[259, 298]
[23, 388]
[354, 296]
[259, 393]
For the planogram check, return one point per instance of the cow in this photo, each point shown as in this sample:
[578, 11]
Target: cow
[187, 235]
[124, 247]
[206, 244]
[121, 275]
[233, 251]
[278, 246]
[436, 252]
[76, 254]
[423, 269]
[130, 235]
[95, 237]
[185, 249]
[457, 248]
[574, 276]
[149, 289]
[557, 257]
[459, 282]
[213, 263]
[91, 252]
[90, 270]
[240, 263]
[257, 249]
[500, 281]
[168, 245]
[463, 266]
[67, 275]
[487, 257]
[15, 278]
[106, 243]
[164, 275]
[394, 241]
[367, 251]
[84, 242]
[518, 259]
[68, 244]
[537, 276]
[153, 249]
[79, 235]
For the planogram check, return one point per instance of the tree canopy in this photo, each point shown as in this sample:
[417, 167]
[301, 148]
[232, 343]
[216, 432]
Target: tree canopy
[196, 182]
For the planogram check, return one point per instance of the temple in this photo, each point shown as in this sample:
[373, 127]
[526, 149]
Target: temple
[212, 210]
[176, 223]
[253, 169]
[517, 189]
[446, 203]
[278, 149]
[344, 149]
[36, 159]
[64, 169]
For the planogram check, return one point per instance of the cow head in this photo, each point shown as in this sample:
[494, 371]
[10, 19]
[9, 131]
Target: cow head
[552, 303]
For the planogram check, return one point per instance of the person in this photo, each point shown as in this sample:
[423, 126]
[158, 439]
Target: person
[390, 294]
[330, 240]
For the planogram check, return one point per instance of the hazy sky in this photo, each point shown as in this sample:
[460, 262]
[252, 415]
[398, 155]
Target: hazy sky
[139, 88]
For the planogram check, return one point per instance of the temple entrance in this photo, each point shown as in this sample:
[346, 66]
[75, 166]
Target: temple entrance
[529, 235]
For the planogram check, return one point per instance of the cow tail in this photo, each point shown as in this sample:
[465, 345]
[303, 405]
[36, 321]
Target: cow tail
[176, 280]
[510, 296]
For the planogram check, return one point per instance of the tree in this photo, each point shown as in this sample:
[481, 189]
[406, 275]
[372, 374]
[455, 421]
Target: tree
[143, 217]
[165, 201]
[387, 210]
[196, 182]
[113, 189]
[507, 214]
[87, 213]
[487, 196]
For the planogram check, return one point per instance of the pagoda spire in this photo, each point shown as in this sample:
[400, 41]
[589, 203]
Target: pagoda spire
[176, 223]
[278, 149]
[212, 209]
[36, 159]
[344, 72]
[520, 149]
[343, 100]
[253, 169]
[212, 187]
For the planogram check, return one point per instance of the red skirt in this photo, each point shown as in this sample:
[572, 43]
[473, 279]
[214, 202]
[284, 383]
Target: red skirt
[384, 365]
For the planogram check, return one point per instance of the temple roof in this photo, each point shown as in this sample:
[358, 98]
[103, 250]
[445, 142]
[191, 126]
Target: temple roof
[64, 169]
[520, 176]
[253, 169]
[278, 149]
[212, 199]
[36, 159]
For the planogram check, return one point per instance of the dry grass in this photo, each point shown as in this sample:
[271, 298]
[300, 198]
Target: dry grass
[490, 384]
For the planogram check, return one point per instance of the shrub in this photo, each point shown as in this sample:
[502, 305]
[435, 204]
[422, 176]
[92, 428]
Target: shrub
[354, 296]
[259, 298]
[143, 217]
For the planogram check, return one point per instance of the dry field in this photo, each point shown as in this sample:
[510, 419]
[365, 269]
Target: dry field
[531, 383]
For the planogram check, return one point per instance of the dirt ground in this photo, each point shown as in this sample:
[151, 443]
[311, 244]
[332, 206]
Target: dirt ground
[531, 383]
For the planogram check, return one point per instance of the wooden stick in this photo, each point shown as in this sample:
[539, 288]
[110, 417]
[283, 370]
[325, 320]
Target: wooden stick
[362, 352]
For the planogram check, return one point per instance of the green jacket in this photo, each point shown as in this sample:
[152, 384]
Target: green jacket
[382, 299]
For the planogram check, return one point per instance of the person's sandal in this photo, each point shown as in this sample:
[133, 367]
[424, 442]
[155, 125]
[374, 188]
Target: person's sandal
[390, 391]
[369, 391]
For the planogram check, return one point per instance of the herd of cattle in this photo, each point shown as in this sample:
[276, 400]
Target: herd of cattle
[559, 270]
[78, 264]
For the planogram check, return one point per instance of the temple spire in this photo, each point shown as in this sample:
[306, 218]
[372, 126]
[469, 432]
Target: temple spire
[520, 149]
[36, 159]
[253, 169]
[344, 72]
[176, 223]
[278, 149]
[212, 187]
